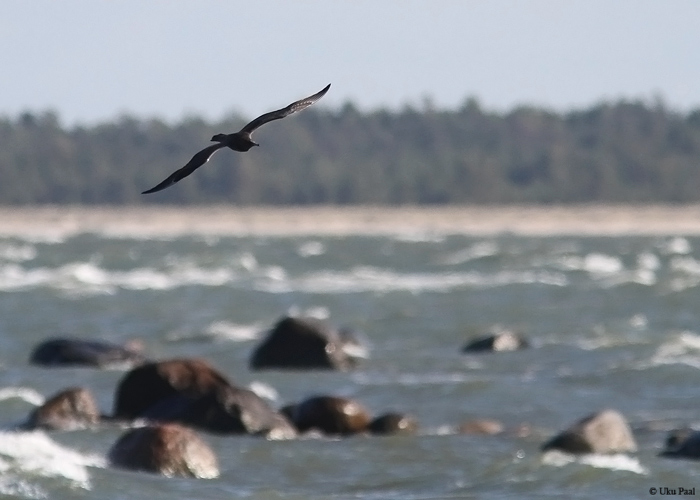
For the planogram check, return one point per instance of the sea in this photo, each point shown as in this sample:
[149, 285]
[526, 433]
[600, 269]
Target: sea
[613, 322]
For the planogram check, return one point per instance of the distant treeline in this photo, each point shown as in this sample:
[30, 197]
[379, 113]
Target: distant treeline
[614, 152]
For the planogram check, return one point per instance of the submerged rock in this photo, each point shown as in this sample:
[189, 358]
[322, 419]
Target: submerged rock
[682, 443]
[498, 341]
[393, 423]
[171, 450]
[606, 431]
[329, 415]
[81, 352]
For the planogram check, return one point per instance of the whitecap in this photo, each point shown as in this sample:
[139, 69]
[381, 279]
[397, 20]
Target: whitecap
[17, 487]
[683, 349]
[476, 251]
[648, 260]
[36, 453]
[371, 279]
[311, 248]
[419, 236]
[233, 331]
[24, 393]
[414, 379]
[686, 265]
[598, 263]
[264, 390]
[17, 253]
[87, 277]
[677, 245]
[614, 462]
[318, 312]
[248, 261]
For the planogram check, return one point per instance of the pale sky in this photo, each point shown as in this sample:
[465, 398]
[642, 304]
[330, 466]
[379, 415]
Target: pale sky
[92, 60]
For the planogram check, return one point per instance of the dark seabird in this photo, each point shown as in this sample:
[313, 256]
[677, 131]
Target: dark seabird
[239, 141]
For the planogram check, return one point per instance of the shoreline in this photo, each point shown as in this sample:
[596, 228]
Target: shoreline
[220, 220]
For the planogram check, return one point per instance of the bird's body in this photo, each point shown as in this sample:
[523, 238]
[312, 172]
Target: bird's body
[239, 141]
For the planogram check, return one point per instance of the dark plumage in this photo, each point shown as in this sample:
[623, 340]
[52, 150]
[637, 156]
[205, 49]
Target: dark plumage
[238, 141]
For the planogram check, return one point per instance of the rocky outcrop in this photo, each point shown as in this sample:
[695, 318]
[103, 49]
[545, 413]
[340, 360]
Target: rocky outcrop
[191, 392]
[498, 341]
[604, 432]
[170, 450]
[81, 352]
[71, 409]
[329, 415]
[303, 344]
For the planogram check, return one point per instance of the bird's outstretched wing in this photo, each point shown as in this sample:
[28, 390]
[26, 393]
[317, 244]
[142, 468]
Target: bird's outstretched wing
[281, 113]
[197, 161]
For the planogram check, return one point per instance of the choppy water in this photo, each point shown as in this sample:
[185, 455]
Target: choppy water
[613, 322]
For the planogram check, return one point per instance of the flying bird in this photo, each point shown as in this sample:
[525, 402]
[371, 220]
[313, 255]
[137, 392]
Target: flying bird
[238, 141]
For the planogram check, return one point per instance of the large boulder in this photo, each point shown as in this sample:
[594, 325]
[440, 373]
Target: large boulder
[329, 415]
[152, 383]
[170, 450]
[73, 408]
[305, 343]
[498, 341]
[191, 392]
[606, 431]
[81, 352]
[682, 443]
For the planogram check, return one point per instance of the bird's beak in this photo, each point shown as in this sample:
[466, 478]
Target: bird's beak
[256, 144]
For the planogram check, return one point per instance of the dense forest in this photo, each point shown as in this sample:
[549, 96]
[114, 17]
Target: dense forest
[611, 152]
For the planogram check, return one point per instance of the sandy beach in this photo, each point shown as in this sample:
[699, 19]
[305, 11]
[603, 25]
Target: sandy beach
[157, 221]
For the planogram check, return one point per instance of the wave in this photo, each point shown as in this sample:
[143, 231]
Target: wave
[311, 249]
[415, 379]
[616, 462]
[24, 393]
[17, 253]
[683, 349]
[477, 251]
[371, 279]
[86, 277]
[89, 278]
[35, 454]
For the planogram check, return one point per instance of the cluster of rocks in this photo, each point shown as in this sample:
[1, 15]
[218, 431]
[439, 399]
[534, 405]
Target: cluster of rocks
[164, 403]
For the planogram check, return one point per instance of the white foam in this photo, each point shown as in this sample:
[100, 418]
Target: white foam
[18, 487]
[683, 348]
[677, 245]
[88, 277]
[35, 453]
[24, 393]
[318, 312]
[311, 248]
[17, 253]
[371, 279]
[264, 390]
[233, 331]
[687, 265]
[616, 462]
[648, 260]
[476, 251]
[598, 263]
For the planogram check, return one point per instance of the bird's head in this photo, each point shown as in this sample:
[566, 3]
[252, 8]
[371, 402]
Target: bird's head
[219, 138]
